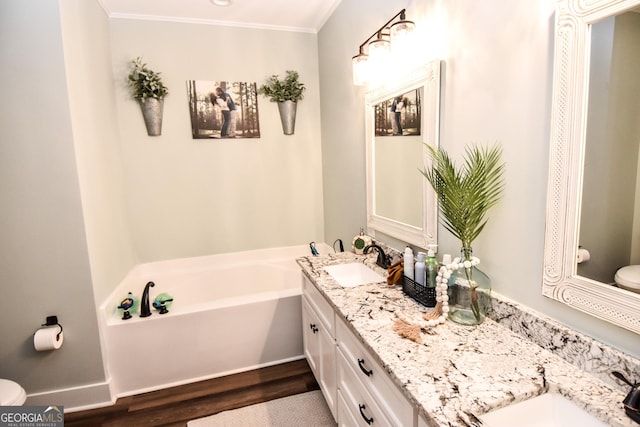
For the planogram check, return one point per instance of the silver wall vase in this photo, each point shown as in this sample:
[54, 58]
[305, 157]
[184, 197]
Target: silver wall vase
[152, 113]
[288, 116]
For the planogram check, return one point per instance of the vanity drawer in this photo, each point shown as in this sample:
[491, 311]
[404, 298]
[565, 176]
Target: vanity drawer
[320, 305]
[345, 417]
[373, 377]
[358, 404]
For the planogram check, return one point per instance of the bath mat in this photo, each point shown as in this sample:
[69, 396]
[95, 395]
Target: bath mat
[305, 409]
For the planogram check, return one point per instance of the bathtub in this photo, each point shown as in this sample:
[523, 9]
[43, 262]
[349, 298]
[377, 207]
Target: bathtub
[231, 313]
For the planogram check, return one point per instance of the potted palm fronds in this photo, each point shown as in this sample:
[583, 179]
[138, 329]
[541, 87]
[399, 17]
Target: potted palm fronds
[465, 195]
[147, 87]
[286, 92]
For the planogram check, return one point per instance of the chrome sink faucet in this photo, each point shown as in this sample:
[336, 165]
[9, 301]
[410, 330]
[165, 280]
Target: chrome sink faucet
[383, 259]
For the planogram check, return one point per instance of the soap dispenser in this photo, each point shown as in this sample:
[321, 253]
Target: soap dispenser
[420, 269]
[431, 269]
[408, 262]
[360, 242]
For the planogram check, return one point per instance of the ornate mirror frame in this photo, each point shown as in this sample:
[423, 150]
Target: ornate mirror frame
[566, 160]
[428, 78]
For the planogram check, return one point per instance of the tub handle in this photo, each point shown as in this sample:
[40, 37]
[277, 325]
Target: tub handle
[313, 327]
[363, 415]
[367, 372]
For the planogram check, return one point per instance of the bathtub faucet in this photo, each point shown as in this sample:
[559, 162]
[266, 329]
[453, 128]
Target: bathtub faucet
[145, 309]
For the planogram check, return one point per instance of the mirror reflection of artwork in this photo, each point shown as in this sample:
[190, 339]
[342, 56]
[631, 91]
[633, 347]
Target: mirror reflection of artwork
[222, 109]
[400, 115]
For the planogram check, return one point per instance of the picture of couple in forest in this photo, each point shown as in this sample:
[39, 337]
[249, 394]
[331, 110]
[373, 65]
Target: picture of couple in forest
[223, 101]
[222, 109]
[400, 115]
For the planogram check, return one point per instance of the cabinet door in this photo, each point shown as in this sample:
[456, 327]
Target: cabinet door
[320, 351]
[310, 324]
[327, 379]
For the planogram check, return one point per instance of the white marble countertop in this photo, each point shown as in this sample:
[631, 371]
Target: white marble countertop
[458, 372]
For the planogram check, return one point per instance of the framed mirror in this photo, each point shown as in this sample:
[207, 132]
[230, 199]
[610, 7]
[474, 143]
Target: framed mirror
[400, 118]
[593, 194]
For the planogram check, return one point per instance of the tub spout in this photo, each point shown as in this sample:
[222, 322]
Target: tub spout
[145, 309]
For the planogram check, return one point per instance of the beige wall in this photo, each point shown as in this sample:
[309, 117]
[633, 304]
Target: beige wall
[190, 197]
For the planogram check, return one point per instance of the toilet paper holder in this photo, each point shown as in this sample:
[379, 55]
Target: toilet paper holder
[53, 321]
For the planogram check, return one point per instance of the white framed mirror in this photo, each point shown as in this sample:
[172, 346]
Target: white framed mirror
[400, 118]
[593, 193]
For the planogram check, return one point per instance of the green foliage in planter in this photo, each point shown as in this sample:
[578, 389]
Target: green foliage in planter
[145, 83]
[288, 89]
[466, 194]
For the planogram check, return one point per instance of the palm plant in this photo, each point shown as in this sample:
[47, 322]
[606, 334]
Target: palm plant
[465, 195]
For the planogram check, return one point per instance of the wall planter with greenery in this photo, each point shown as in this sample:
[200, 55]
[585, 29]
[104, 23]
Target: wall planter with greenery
[286, 92]
[147, 87]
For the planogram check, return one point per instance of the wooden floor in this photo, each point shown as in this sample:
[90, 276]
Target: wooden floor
[175, 406]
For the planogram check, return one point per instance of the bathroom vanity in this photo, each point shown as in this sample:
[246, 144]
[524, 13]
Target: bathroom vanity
[371, 376]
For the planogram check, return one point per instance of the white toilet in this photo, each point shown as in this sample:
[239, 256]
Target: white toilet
[629, 278]
[11, 394]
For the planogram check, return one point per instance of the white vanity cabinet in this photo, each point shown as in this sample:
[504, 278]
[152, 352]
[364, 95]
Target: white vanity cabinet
[318, 332]
[357, 389]
[369, 392]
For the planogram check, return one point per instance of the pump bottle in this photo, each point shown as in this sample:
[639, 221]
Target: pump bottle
[420, 270]
[431, 269]
[408, 262]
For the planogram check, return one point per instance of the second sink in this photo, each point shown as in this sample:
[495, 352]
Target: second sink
[547, 410]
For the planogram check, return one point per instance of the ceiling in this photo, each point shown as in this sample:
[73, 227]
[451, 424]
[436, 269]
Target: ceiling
[290, 15]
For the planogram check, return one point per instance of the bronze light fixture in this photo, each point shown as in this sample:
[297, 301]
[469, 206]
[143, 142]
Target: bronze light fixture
[378, 46]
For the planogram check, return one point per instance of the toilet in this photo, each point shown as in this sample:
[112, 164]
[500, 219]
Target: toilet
[629, 278]
[11, 394]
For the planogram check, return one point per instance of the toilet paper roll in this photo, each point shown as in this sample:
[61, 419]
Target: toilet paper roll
[46, 339]
[583, 255]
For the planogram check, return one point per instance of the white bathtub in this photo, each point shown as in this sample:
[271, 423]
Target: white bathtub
[231, 313]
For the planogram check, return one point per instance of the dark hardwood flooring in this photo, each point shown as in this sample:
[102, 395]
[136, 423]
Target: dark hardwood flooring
[175, 406]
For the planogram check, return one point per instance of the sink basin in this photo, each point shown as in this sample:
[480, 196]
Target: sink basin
[353, 274]
[547, 410]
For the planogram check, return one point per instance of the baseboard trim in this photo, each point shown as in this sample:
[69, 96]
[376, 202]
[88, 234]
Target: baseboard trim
[99, 395]
[74, 399]
[208, 377]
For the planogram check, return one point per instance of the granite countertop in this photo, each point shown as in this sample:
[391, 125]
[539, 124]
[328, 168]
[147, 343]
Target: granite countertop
[457, 373]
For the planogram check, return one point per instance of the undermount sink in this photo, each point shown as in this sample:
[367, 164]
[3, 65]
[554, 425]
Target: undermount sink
[547, 410]
[353, 274]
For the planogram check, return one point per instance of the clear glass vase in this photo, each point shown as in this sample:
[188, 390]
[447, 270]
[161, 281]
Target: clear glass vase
[469, 291]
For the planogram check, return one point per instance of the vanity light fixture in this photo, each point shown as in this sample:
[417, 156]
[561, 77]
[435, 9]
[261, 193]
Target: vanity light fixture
[221, 2]
[378, 50]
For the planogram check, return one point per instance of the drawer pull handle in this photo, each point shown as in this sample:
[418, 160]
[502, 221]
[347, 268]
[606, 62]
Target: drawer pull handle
[364, 416]
[313, 327]
[367, 372]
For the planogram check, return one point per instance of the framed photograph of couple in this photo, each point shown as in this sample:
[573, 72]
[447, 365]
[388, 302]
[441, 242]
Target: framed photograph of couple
[399, 115]
[221, 109]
